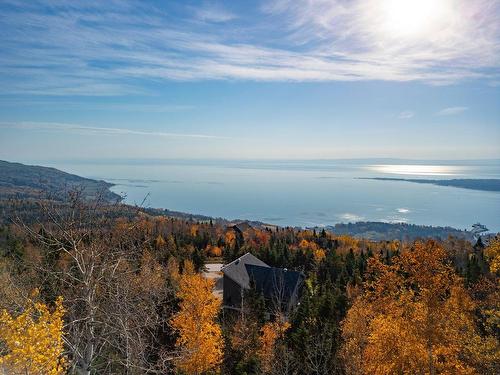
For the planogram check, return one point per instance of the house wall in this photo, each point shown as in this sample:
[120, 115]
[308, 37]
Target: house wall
[296, 295]
[232, 293]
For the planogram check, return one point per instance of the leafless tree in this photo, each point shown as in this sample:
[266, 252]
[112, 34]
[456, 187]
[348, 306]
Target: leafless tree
[319, 352]
[285, 363]
[110, 319]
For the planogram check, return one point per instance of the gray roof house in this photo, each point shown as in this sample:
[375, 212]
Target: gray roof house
[277, 285]
[241, 227]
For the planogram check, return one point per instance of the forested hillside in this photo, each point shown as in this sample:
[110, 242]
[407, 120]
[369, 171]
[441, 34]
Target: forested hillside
[22, 181]
[402, 231]
[86, 290]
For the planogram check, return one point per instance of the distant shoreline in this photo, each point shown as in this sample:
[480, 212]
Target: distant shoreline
[29, 183]
[464, 183]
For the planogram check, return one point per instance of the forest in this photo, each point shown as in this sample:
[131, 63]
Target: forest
[92, 288]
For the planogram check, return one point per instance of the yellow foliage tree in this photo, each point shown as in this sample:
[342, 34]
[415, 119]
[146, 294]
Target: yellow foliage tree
[346, 243]
[33, 340]
[200, 340]
[492, 252]
[193, 230]
[160, 241]
[319, 255]
[305, 244]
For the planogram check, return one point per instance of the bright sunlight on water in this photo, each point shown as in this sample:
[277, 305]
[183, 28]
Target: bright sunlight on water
[418, 170]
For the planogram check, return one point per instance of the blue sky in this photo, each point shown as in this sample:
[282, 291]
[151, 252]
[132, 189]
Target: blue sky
[249, 79]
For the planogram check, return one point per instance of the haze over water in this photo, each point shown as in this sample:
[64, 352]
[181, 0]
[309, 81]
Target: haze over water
[305, 193]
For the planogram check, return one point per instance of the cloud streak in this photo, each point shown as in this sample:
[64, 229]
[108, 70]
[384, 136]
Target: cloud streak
[119, 48]
[405, 115]
[452, 111]
[92, 130]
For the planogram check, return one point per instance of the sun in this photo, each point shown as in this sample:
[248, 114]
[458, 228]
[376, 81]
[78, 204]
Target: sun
[413, 18]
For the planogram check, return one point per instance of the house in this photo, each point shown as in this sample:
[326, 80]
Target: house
[241, 227]
[279, 286]
[236, 279]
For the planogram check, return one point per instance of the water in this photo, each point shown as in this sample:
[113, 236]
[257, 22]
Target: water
[305, 193]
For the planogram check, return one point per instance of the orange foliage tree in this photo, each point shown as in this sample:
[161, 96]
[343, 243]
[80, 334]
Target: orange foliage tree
[270, 333]
[230, 238]
[414, 316]
[200, 340]
[213, 251]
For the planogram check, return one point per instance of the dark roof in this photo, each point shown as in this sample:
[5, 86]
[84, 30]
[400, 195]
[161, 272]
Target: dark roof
[237, 271]
[241, 227]
[275, 282]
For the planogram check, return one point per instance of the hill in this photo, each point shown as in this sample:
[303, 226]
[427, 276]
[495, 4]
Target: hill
[379, 231]
[20, 181]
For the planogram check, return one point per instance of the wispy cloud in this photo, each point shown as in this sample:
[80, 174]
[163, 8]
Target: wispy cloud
[406, 115]
[452, 111]
[119, 48]
[213, 12]
[92, 130]
[92, 106]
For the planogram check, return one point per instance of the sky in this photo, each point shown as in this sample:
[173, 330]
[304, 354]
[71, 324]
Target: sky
[285, 79]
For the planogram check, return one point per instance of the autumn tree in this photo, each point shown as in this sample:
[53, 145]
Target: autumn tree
[492, 252]
[32, 340]
[130, 296]
[213, 251]
[271, 334]
[200, 344]
[414, 316]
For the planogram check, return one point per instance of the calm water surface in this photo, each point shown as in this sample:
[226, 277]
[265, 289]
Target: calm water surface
[305, 193]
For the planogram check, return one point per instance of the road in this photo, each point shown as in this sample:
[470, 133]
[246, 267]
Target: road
[212, 271]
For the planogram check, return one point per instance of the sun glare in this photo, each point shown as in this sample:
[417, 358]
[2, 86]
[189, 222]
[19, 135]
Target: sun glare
[413, 18]
[416, 170]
